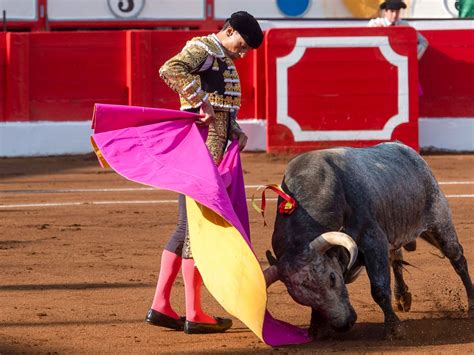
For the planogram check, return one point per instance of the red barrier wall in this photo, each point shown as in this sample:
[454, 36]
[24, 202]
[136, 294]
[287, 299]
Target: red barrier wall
[447, 74]
[69, 71]
[3, 71]
[347, 86]
[58, 76]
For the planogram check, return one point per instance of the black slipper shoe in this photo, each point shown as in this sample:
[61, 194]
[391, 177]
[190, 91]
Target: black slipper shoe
[162, 320]
[206, 328]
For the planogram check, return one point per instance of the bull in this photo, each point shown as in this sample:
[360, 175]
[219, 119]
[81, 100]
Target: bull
[358, 207]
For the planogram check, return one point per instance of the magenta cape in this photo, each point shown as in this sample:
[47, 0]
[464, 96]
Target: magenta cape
[165, 149]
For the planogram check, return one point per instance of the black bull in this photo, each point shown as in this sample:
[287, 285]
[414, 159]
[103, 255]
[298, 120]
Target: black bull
[382, 198]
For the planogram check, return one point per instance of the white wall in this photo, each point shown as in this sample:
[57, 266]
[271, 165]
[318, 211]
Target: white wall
[21, 10]
[455, 134]
[56, 138]
[63, 10]
[269, 9]
[44, 138]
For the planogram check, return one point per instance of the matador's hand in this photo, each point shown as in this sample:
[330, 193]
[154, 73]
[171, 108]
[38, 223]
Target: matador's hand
[207, 113]
[242, 137]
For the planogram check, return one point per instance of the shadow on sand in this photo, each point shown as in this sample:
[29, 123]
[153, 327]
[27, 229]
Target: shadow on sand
[368, 337]
[73, 286]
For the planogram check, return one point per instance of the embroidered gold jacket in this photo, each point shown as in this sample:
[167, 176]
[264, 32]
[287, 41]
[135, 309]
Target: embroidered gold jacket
[202, 71]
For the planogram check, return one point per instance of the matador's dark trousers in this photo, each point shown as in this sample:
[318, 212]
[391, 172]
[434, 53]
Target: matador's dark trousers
[179, 241]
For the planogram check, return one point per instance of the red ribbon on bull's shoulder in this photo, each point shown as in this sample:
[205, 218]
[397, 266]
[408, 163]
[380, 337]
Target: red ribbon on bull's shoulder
[286, 207]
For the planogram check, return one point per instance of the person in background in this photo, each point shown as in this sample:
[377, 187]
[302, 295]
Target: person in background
[206, 79]
[391, 17]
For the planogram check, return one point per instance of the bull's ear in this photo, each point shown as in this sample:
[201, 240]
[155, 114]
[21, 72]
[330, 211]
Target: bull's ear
[327, 240]
[271, 275]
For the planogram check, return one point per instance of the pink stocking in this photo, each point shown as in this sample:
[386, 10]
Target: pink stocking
[170, 264]
[192, 287]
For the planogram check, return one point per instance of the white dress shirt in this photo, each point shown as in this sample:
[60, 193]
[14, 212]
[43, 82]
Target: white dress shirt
[422, 42]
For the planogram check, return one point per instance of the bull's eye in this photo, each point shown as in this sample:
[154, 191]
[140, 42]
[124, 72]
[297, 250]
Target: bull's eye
[332, 279]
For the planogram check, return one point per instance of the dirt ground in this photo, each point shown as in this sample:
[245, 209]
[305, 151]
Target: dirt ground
[78, 275]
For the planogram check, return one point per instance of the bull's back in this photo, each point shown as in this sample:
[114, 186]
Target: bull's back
[389, 186]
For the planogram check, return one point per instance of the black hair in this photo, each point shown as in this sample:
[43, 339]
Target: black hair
[226, 25]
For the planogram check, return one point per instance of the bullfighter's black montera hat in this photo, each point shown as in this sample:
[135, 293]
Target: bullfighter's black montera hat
[393, 5]
[248, 27]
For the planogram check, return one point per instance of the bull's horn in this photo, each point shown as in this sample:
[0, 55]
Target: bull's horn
[330, 239]
[271, 275]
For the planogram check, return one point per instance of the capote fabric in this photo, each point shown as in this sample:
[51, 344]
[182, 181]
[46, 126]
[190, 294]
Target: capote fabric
[166, 149]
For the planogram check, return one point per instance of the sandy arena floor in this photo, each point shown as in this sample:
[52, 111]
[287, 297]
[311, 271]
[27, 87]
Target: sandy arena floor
[78, 275]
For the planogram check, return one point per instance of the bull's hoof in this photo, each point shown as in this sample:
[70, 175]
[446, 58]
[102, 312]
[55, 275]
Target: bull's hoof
[394, 331]
[404, 302]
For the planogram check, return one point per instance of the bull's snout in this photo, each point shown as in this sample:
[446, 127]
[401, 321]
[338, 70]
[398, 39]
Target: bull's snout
[349, 323]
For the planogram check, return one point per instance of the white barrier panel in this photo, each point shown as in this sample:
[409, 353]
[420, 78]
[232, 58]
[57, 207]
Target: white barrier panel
[19, 10]
[431, 25]
[281, 9]
[19, 139]
[73, 137]
[453, 134]
[256, 131]
[92, 10]
[44, 138]
[272, 9]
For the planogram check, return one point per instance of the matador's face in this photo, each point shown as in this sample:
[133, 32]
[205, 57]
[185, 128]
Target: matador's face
[234, 44]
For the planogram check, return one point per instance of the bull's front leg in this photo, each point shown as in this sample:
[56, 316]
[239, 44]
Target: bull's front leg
[376, 256]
